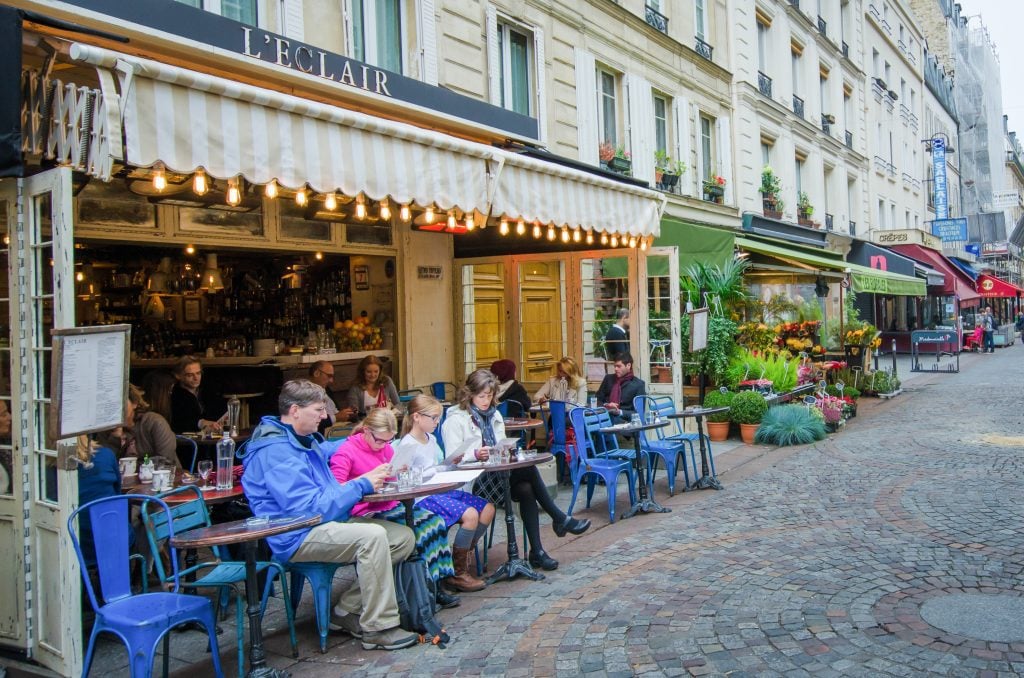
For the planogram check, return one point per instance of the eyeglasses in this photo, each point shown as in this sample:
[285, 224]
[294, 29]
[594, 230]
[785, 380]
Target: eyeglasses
[380, 441]
[433, 417]
[329, 375]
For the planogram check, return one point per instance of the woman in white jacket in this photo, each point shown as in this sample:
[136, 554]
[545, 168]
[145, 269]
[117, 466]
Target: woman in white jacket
[477, 419]
[568, 384]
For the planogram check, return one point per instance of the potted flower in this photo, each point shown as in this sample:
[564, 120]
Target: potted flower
[804, 210]
[747, 410]
[666, 170]
[718, 424]
[606, 151]
[770, 188]
[620, 160]
[714, 188]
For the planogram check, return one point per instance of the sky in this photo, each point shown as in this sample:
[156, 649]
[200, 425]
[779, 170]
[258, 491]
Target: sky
[1004, 20]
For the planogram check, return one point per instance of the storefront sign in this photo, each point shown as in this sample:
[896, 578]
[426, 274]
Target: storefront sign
[879, 258]
[941, 194]
[911, 236]
[995, 248]
[950, 230]
[1002, 200]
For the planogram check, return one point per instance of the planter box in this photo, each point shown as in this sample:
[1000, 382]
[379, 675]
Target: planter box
[621, 165]
[772, 214]
[806, 221]
[668, 181]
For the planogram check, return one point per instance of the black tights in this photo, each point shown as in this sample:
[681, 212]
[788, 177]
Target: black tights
[529, 491]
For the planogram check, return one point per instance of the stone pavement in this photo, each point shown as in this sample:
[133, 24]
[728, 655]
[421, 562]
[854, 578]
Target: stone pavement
[813, 561]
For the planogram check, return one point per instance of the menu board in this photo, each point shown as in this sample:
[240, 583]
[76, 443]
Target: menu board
[698, 329]
[90, 379]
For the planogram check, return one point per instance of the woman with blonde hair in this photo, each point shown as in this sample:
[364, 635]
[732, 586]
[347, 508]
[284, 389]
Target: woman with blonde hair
[567, 384]
[367, 448]
[371, 388]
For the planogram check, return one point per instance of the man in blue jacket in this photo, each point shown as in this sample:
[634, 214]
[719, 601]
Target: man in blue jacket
[287, 472]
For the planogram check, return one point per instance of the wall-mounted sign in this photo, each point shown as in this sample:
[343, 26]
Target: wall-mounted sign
[698, 329]
[939, 188]
[911, 236]
[428, 272]
[995, 248]
[90, 379]
[1002, 200]
[950, 230]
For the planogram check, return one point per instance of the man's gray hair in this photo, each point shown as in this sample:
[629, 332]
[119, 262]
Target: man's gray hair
[301, 392]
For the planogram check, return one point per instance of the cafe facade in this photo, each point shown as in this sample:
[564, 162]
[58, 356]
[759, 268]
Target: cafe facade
[245, 196]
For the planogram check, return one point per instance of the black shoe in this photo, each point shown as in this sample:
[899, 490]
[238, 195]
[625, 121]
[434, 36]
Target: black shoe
[570, 524]
[543, 561]
[446, 600]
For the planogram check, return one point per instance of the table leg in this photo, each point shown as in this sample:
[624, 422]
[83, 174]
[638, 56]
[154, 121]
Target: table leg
[515, 565]
[706, 480]
[257, 659]
[645, 504]
[410, 519]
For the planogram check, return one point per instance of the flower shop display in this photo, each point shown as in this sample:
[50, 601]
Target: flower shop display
[748, 409]
[756, 336]
[859, 342]
[800, 336]
[718, 424]
[790, 425]
[762, 371]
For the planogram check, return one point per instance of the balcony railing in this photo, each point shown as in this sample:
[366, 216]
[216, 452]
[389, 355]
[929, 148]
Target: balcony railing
[826, 125]
[656, 19]
[829, 224]
[853, 228]
[905, 113]
[764, 84]
[880, 164]
[798, 105]
[849, 139]
[822, 26]
[874, 12]
[795, 3]
[878, 88]
[912, 119]
[907, 179]
[846, 50]
[704, 49]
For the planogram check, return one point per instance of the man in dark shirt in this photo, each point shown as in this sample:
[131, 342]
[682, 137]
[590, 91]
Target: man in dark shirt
[189, 411]
[616, 340]
[618, 389]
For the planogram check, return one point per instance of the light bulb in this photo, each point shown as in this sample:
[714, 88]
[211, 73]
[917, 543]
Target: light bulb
[319, 256]
[271, 190]
[521, 227]
[577, 234]
[452, 222]
[503, 227]
[565, 234]
[199, 183]
[590, 237]
[604, 238]
[233, 196]
[615, 241]
[331, 201]
[79, 277]
[405, 214]
[360, 208]
[470, 222]
[428, 215]
[190, 249]
[536, 230]
[551, 232]
[632, 241]
[301, 197]
[159, 179]
[643, 244]
[385, 210]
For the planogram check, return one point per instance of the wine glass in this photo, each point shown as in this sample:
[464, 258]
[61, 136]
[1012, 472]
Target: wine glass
[205, 468]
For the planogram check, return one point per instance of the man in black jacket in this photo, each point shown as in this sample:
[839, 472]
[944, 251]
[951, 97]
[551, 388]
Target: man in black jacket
[616, 339]
[619, 388]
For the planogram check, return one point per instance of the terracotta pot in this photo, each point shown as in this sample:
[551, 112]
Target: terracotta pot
[718, 430]
[747, 432]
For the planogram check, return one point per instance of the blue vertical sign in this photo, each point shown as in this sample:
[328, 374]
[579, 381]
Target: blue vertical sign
[941, 196]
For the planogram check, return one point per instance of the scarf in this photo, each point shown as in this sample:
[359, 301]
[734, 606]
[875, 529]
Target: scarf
[616, 395]
[382, 396]
[503, 387]
[483, 419]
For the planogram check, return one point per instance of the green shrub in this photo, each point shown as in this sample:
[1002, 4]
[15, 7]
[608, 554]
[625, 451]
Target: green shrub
[718, 399]
[748, 407]
[789, 425]
[779, 368]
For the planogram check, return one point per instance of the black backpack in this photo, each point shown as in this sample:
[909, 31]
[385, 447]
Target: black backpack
[415, 593]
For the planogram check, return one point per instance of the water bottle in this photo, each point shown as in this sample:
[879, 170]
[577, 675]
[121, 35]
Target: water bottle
[225, 462]
[234, 409]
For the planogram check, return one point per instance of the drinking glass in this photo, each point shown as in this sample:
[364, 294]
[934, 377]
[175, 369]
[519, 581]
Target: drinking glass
[635, 419]
[593, 402]
[205, 469]
[404, 481]
[415, 477]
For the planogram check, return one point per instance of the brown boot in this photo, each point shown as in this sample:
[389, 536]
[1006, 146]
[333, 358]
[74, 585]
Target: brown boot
[463, 580]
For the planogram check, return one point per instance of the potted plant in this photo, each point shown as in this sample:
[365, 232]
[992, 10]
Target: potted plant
[714, 188]
[790, 425]
[620, 160]
[804, 209]
[747, 410]
[718, 424]
[606, 151]
[770, 188]
[666, 170]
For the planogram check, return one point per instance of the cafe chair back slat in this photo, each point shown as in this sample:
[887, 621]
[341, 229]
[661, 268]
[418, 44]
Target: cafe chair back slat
[444, 390]
[586, 465]
[604, 445]
[187, 451]
[140, 620]
[557, 446]
[668, 448]
[408, 394]
[338, 432]
[223, 574]
[320, 576]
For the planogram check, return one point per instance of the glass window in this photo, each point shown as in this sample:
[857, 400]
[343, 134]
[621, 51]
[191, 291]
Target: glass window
[661, 109]
[766, 154]
[706, 146]
[483, 314]
[700, 16]
[607, 109]
[762, 47]
[239, 10]
[823, 93]
[799, 169]
[516, 57]
[796, 72]
[377, 33]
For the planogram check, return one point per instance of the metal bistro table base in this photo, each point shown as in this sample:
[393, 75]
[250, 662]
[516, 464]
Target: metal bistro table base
[514, 566]
[706, 480]
[645, 503]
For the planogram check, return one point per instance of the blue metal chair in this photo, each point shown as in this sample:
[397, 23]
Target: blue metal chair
[439, 389]
[143, 620]
[667, 407]
[557, 413]
[604, 445]
[586, 465]
[668, 448]
[187, 445]
[226, 575]
[408, 394]
[320, 576]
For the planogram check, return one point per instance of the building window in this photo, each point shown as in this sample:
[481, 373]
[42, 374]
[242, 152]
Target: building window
[607, 110]
[661, 109]
[795, 64]
[881, 215]
[516, 54]
[243, 11]
[799, 169]
[762, 47]
[700, 18]
[826, 107]
[766, 154]
[876, 59]
[707, 146]
[377, 33]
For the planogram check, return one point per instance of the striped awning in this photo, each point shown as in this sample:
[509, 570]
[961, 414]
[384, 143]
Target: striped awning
[189, 120]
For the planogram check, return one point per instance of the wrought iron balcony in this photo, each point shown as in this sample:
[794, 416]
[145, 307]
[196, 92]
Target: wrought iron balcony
[656, 19]
[853, 228]
[828, 222]
[704, 49]
[826, 124]
[849, 139]
[764, 84]
[798, 105]
[822, 26]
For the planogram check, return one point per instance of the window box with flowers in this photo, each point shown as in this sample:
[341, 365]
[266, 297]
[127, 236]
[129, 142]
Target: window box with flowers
[770, 189]
[804, 210]
[714, 189]
[615, 158]
[667, 171]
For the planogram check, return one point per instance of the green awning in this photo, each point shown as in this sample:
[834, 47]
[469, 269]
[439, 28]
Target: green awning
[697, 244]
[862, 278]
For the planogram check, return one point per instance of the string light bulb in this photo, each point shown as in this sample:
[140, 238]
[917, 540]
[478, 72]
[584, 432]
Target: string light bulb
[200, 185]
[270, 190]
[360, 207]
[590, 236]
[331, 201]
[428, 215]
[234, 196]
[319, 256]
[577, 234]
[536, 231]
[604, 238]
[159, 178]
[385, 210]
[643, 244]
[470, 221]
[301, 197]
[565, 234]
[551, 232]
[615, 241]
[405, 213]
[190, 249]
[632, 241]
[452, 221]
[520, 227]
[503, 226]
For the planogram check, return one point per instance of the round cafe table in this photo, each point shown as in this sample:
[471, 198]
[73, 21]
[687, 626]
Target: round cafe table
[707, 481]
[210, 496]
[644, 503]
[409, 497]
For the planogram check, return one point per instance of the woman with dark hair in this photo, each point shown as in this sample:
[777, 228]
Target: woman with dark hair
[508, 387]
[157, 386]
[371, 388]
[145, 434]
[477, 419]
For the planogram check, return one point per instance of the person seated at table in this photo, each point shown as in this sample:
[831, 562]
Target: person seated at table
[189, 410]
[618, 389]
[321, 373]
[98, 476]
[368, 447]
[156, 387]
[371, 388]
[287, 473]
[567, 384]
[476, 420]
[472, 513]
[144, 434]
[509, 388]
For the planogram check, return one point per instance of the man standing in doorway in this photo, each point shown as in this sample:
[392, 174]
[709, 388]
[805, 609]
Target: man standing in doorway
[616, 340]
[988, 331]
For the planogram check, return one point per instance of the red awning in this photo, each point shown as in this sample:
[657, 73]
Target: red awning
[991, 286]
[957, 283]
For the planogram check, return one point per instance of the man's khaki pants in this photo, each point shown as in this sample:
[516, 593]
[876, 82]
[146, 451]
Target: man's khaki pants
[374, 545]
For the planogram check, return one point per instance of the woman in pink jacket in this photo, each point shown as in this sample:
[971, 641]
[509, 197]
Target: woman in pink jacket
[368, 447]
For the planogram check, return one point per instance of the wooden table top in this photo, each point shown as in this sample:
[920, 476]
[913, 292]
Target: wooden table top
[630, 427]
[522, 424]
[512, 465]
[211, 496]
[414, 493]
[240, 531]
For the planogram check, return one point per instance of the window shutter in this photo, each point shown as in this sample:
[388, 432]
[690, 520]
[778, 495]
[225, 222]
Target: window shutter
[493, 56]
[350, 37]
[587, 134]
[725, 155]
[681, 110]
[428, 42]
[541, 70]
[293, 21]
[641, 126]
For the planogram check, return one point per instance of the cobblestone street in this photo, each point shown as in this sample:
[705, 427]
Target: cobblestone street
[815, 561]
